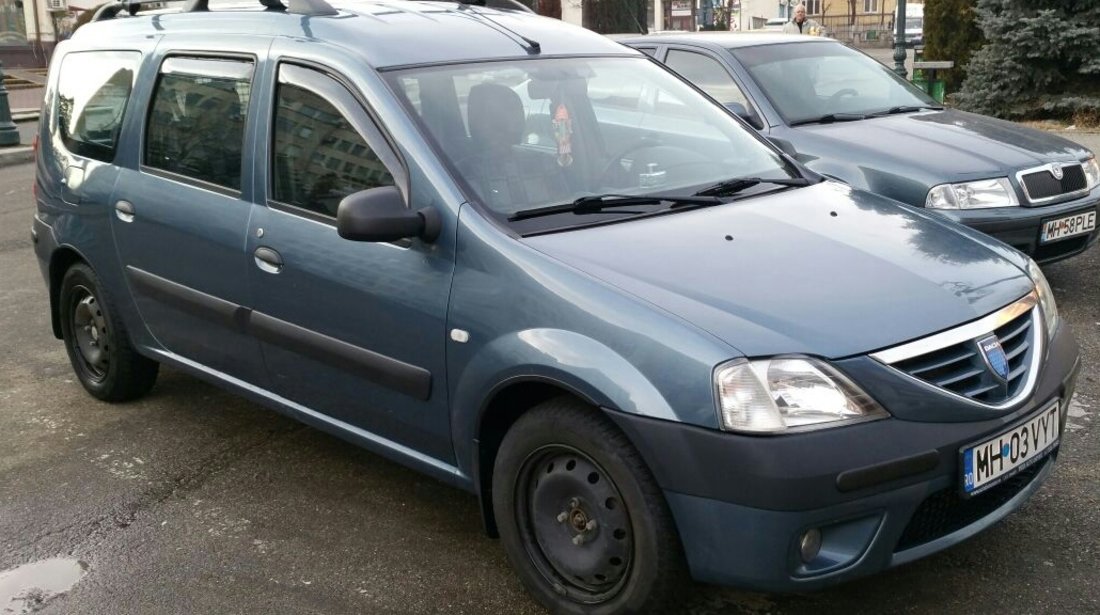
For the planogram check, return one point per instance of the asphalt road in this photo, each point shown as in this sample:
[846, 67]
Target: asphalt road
[195, 501]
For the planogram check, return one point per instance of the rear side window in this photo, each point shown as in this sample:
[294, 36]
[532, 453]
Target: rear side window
[92, 91]
[196, 123]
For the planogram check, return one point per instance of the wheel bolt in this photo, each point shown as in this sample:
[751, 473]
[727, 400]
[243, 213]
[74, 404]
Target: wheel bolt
[591, 525]
[563, 517]
[574, 503]
[578, 539]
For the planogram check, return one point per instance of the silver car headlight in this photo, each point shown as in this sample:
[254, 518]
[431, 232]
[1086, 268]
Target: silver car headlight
[1046, 297]
[782, 395]
[973, 195]
[1092, 173]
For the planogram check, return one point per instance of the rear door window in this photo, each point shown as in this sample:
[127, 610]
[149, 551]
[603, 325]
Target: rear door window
[197, 120]
[92, 92]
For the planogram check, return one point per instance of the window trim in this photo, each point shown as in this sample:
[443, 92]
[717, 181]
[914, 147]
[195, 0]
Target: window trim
[187, 179]
[754, 108]
[378, 139]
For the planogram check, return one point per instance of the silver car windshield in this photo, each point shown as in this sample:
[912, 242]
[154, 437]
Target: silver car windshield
[806, 81]
[533, 133]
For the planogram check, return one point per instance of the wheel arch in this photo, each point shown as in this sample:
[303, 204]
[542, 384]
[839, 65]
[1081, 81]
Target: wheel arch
[62, 259]
[502, 408]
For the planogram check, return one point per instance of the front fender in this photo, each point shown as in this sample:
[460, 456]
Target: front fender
[566, 359]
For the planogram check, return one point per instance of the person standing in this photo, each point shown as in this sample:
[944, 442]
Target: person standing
[800, 25]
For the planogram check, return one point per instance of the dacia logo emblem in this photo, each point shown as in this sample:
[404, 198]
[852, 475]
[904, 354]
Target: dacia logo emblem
[994, 356]
[1056, 171]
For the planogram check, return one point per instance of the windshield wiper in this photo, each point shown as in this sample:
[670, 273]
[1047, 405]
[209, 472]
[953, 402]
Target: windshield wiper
[737, 184]
[599, 202]
[904, 109]
[831, 117]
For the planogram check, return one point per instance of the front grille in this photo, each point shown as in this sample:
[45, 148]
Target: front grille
[961, 368]
[945, 511]
[1041, 184]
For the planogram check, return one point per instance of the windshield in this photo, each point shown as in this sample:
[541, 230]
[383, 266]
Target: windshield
[534, 133]
[811, 80]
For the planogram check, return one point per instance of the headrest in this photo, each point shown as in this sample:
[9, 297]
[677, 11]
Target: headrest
[496, 116]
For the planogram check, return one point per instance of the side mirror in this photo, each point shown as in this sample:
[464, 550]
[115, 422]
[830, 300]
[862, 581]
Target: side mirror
[740, 111]
[380, 214]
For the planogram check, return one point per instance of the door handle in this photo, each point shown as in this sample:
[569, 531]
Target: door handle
[125, 211]
[268, 260]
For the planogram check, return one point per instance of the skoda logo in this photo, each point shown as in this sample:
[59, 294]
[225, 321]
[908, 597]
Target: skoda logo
[1056, 172]
[994, 355]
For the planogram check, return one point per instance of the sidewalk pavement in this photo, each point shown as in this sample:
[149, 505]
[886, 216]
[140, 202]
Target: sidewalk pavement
[25, 104]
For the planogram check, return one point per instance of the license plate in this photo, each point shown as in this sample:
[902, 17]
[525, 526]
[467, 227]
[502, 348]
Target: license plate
[996, 459]
[1069, 226]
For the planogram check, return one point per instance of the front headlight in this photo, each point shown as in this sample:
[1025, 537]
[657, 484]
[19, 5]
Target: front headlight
[781, 395]
[973, 195]
[1092, 173]
[1046, 297]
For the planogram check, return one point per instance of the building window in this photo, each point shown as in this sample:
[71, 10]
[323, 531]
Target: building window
[870, 6]
[813, 7]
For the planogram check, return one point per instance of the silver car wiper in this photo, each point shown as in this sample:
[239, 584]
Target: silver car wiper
[903, 109]
[737, 184]
[831, 117]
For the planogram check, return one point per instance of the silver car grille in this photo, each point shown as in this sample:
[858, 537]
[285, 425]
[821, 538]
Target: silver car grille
[992, 361]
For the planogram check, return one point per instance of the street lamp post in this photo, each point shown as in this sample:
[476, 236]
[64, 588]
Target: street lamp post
[9, 133]
[899, 40]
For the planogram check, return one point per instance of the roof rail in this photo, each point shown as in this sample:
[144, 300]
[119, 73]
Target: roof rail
[297, 7]
[507, 5]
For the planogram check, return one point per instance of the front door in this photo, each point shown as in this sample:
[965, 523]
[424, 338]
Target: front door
[180, 218]
[352, 330]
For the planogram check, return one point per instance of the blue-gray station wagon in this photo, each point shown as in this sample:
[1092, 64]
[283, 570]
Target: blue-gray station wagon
[847, 116]
[536, 265]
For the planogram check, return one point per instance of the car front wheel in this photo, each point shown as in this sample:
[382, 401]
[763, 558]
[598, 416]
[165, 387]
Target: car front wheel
[581, 517]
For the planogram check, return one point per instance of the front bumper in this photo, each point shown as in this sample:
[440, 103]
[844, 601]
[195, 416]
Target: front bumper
[881, 493]
[1020, 227]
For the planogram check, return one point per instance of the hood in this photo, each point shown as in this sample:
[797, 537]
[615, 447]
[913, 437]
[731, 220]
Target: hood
[929, 148]
[823, 270]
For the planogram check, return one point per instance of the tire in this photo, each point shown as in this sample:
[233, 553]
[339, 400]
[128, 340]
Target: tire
[581, 518]
[97, 343]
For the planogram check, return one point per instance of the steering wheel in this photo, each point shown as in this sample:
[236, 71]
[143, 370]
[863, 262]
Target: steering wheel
[667, 157]
[841, 94]
[615, 161]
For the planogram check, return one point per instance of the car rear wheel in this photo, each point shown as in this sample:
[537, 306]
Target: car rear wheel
[96, 341]
[581, 517]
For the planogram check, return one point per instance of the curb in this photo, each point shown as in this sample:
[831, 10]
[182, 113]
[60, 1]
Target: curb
[20, 115]
[16, 155]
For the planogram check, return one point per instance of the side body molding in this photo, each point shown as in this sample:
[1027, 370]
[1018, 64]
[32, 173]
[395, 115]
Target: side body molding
[411, 380]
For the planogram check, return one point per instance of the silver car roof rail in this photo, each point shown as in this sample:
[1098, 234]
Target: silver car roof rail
[297, 7]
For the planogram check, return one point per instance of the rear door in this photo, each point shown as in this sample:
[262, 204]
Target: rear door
[181, 211]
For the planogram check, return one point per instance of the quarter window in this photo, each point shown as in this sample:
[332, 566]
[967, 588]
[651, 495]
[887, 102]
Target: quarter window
[319, 156]
[196, 126]
[92, 93]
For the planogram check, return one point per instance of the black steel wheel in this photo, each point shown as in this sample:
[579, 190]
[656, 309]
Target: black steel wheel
[581, 518]
[587, 546]
[96, 340]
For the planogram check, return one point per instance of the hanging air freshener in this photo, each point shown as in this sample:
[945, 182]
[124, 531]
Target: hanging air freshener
[563, 134]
